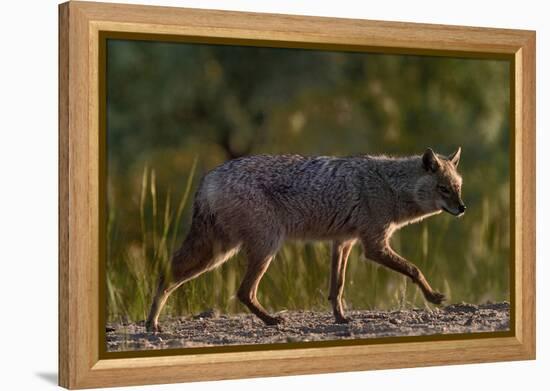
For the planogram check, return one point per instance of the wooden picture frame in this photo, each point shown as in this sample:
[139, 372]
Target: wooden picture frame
[81, 364]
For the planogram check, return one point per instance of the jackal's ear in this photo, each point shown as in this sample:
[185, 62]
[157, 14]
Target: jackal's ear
[430, 161]
[455, 157]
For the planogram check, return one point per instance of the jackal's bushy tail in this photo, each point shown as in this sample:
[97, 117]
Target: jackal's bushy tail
[205, 246]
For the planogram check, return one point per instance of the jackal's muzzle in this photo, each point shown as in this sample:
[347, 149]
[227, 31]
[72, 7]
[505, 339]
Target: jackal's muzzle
[458, 211]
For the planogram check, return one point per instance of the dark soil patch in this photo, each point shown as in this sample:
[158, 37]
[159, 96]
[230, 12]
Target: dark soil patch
[212, 329]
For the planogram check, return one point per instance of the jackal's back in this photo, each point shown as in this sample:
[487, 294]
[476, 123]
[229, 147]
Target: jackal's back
[301, 196]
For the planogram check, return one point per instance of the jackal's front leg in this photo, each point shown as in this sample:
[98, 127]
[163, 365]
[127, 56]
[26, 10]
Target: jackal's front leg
[340, 254]
[389, 258]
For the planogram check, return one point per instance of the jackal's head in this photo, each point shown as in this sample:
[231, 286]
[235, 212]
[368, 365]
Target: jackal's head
[440, 187]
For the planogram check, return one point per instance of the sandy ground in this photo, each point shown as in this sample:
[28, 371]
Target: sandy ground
[212, 329]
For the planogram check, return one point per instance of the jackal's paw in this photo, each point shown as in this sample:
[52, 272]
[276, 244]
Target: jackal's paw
[273, 321]
[436, 298]
[153, 328]
[341, 319]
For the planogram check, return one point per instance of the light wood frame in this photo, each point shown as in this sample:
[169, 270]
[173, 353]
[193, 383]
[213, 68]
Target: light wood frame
[80, 24]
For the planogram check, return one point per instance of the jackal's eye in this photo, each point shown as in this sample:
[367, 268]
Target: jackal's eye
[443, 189]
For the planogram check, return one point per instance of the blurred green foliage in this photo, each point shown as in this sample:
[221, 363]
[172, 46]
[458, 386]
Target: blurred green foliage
[175, 111]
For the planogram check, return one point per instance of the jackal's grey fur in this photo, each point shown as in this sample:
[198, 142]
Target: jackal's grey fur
[255, 203]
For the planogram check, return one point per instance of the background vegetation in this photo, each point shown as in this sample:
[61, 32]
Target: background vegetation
[176, 111]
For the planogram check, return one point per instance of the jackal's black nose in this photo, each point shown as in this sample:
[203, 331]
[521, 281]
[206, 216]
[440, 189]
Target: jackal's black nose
[462, 208]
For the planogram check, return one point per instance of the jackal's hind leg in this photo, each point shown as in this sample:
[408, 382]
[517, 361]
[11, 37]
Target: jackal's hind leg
[257, 266]
[161, 295]
[188, 263]
[340, 254]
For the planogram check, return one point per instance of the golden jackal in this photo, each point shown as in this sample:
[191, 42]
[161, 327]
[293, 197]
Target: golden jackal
[254, 203]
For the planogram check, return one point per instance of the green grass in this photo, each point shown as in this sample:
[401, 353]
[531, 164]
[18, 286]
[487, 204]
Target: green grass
[466, 259]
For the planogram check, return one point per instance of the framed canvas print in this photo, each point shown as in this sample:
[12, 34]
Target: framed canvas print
[248, 195]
